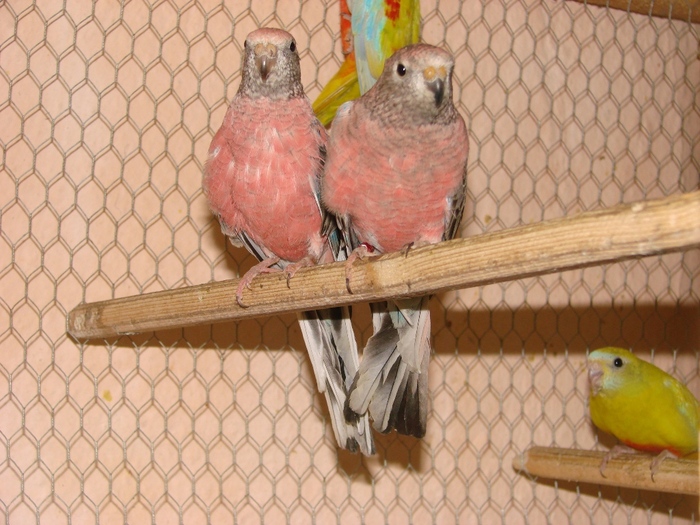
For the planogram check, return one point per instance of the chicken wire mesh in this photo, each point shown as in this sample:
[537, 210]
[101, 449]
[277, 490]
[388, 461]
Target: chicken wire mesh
[107, 110]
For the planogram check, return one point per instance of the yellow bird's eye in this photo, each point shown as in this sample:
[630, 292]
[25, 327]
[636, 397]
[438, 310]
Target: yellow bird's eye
[618, 362]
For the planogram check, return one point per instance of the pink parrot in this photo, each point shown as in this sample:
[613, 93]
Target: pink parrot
[395, 177]
[262, 182]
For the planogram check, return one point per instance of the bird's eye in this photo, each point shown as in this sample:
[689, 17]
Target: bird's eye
[618, 362]
[293, 46]
[401, 70]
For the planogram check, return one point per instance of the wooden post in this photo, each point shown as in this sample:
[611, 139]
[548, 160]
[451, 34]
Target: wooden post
[679, 476]
[588, 239]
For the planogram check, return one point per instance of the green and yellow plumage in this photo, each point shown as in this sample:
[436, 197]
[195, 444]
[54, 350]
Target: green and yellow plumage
[378, 29]
[640, 404]
[340, 89]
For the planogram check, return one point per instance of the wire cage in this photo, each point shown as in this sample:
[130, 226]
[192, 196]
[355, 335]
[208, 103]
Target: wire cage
[107, 109]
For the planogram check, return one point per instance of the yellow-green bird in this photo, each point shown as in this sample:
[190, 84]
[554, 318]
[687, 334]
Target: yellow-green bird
[377, 29]
[641, 405]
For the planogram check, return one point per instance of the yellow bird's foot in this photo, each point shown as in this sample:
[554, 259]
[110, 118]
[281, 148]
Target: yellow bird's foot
[615, 452]
[656, 463]
[263, 266]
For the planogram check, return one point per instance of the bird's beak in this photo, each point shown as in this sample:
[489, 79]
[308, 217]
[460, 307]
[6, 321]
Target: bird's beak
[595, 375]
[435, 81]
[265, 59]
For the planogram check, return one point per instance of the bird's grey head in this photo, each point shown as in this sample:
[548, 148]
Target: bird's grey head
[271, 65]
[416, 85]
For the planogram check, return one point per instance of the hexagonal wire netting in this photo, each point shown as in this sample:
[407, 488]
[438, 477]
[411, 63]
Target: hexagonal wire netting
[107, 110]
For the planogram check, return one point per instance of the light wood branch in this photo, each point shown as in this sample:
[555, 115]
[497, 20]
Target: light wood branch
[587, 239]
[687, 10]
[679, 476]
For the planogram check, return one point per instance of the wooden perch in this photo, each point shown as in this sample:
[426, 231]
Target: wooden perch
[687, 10]
[679, 476]
[587, 239]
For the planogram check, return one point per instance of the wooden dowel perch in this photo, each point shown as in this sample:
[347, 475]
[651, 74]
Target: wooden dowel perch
[687, 10]
[587, 239]
[679, 476]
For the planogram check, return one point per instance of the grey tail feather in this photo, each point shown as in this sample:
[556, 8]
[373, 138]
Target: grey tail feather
[331, 345]
[392, 383]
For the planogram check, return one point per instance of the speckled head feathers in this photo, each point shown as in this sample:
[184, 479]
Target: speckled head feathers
[270, 65]
[415, 86]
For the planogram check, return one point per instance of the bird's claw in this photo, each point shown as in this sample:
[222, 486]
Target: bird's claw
[616, 451]
[291, 269]
[361, 252]
[656, 463]
[242, 285]
[411, 245]
[263, 266]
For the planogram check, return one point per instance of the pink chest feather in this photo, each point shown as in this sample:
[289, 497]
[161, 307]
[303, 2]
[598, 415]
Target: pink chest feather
[262, 174]
[397, 189]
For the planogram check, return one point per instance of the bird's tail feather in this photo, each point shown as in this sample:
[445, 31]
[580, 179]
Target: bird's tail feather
[331, 344]
[392, 383]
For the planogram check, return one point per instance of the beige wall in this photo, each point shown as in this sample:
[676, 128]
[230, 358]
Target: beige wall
[105, 119]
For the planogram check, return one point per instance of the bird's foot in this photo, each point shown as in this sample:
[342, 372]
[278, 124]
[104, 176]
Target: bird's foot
[411, 245]
[264, 266]
[616, 451]
[656, 463]
[291, 269]
[363, 251]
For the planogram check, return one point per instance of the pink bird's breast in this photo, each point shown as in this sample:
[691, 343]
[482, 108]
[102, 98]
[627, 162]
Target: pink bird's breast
[262, 174]
[397, 188]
